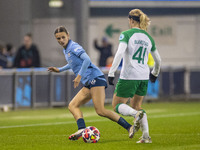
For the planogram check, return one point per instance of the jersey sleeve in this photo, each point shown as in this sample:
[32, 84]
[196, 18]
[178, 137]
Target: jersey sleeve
[123, 37]
[66, 67]
[153, 48]
[86, 63]
[78, 50]
[117, 59]
[157, 59]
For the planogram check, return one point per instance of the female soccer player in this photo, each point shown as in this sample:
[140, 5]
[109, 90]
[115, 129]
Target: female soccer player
[91, 77]
[135, 45]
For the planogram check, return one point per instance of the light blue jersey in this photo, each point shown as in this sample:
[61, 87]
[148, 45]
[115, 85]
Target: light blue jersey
[72, 55]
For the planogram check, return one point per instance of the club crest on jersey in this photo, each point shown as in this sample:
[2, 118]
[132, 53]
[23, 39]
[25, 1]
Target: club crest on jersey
[121, 37]
[93, 81]
[68, 54]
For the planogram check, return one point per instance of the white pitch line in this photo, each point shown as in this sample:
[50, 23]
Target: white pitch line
[47, 124]
[175, 115]
[60, 116]
[99, 120]
[65, 115]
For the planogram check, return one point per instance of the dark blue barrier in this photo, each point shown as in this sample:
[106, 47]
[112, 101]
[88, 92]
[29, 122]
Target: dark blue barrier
[60, 84]
[6, 89]
[23, 91]
[165, 86]
[179, 82]
[42, 88]
[71, 91]
[195, 82]
[37, 87]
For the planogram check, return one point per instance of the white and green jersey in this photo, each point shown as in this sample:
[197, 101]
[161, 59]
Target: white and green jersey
[135, 46]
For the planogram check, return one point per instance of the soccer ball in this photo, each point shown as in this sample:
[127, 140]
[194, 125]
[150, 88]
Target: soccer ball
[91, 135]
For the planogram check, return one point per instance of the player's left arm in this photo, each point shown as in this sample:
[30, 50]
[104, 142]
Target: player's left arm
[156, 69]
[86, 63]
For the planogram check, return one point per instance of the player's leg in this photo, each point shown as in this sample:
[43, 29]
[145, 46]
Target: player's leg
[120, 106]
[98, 97]
[82, 97]
[123, 91]
[118, 100]
[136, 103]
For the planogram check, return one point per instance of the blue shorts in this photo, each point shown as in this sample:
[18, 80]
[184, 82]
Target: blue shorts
[98, 81]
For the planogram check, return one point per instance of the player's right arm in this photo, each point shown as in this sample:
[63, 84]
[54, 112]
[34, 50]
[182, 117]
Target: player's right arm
[118, 56]
[61, 69]
[117, 59]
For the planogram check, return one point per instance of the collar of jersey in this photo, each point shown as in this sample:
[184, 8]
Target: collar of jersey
[135, 28]
[68, 44]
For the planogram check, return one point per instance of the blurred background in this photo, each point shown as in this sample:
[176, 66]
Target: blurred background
[95, 24]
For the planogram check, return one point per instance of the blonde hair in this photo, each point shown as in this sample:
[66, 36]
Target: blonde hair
[143, 19]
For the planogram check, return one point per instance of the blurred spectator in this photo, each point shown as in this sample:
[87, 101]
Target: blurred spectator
[10, 55]
[27, 55]
[105, 51]
[3, 59]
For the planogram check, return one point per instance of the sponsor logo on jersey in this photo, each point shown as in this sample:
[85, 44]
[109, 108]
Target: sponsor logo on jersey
[93, 81]
[121, 37]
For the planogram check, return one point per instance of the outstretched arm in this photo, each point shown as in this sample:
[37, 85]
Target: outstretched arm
[66, 67]
[61, 69]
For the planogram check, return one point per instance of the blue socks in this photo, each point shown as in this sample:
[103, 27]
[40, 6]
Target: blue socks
[81, 123]
[123, 123]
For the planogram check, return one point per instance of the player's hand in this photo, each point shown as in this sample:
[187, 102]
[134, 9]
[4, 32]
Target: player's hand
[152, 78]
[111, 80]
[53, 69]
[77, 81]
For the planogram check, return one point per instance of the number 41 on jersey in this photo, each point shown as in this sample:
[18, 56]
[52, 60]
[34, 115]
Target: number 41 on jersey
[140, 54]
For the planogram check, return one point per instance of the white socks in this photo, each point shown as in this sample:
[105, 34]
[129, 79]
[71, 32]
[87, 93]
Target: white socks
[126, 110]
[144, 126]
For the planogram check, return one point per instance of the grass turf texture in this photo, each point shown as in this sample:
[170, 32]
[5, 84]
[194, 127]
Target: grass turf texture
[173, 126]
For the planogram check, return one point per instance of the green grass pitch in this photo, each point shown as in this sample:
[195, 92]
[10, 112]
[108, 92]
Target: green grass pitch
[173, 126]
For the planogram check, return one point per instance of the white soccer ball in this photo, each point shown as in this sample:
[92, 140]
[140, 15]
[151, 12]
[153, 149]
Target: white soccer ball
[91, 135]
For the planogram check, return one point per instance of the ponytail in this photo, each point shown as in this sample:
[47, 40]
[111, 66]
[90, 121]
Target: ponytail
[143, 21]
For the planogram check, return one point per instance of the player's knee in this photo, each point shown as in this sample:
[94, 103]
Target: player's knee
[70, 106]
[100, 112]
